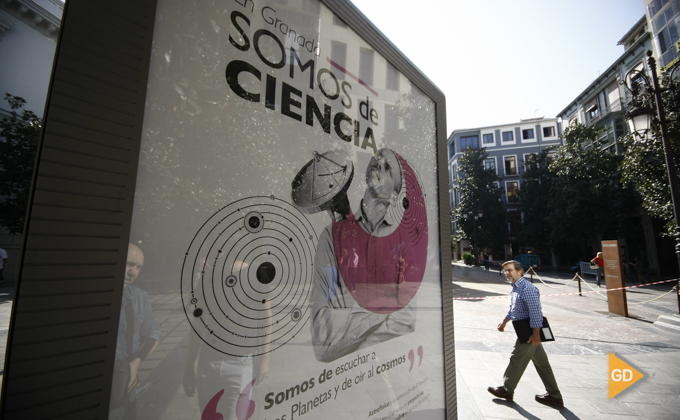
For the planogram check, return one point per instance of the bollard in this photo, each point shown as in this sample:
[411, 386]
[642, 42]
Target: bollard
[579, 285]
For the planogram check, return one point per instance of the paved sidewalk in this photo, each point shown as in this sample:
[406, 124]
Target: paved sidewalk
[585, 334]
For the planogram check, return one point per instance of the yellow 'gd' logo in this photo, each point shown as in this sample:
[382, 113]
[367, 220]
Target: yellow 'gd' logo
[621, 375]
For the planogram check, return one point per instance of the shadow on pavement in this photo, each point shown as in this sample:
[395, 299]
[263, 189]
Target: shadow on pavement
[461, 292]
[566, 413]
[517, 408]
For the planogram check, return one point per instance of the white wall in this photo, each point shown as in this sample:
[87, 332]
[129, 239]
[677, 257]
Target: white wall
[26, 58]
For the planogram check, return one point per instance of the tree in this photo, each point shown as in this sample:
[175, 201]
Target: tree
[644, 164]
[19, 134]
[534, 199]
[586, 197]
[480, 193]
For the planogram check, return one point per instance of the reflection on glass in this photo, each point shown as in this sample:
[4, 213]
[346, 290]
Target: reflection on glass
[222, 379]
[138, 337]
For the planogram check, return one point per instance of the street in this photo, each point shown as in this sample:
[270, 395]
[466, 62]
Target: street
[585, 334]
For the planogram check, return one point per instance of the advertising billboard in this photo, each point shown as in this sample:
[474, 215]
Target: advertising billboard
[237, 213]
[284, 244]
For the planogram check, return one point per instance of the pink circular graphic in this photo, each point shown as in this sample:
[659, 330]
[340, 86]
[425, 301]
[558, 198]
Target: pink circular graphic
[383, 274]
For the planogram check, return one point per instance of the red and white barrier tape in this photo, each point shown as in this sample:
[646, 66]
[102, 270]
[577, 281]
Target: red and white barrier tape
[567, 294]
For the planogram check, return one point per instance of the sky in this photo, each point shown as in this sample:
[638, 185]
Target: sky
[499, 61]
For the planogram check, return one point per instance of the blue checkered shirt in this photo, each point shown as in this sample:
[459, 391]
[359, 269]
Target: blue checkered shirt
[525, 303]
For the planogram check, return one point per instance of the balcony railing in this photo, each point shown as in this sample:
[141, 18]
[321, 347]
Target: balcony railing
[615, 106]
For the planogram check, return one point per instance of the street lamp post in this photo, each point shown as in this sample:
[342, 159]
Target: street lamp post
[641, 123]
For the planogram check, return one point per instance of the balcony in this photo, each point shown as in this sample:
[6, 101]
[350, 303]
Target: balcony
[614, 107]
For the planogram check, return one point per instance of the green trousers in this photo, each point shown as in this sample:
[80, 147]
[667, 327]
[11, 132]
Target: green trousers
[521, 355]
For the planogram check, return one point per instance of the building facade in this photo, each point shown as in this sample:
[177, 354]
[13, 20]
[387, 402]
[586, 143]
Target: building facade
[663, 17]
[604, 104]
[508, 147]
[28, 38]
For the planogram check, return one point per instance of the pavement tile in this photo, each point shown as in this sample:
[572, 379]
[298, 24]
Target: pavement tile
[660, 378]
[598, 416]
[467, 408]
[491, 406]
[615, 407]
[477, 378]
[648, 387]
[635, 396]
[495, 367]
[494, 357]
[657, 411]
[468, 361]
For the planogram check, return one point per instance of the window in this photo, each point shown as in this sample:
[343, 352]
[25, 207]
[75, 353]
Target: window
[655, 6]
[487, 138]
[548, 131]
[593, 111]
[666, 28]
[619, 129]
[392, 77]
[528, 134]
[530, 161]
[507, 136]
[510, 165]
[470, 142]
[549, 158]
[339, 57]
[513, 191]
[490, 163]
[366, 65]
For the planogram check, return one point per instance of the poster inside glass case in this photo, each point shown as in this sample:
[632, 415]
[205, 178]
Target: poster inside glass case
[284, 258]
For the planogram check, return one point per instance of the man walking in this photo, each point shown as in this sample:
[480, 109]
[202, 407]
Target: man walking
[525, 304]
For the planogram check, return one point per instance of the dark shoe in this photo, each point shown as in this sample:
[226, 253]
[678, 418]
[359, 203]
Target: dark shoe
[548, 400]
[500, 392]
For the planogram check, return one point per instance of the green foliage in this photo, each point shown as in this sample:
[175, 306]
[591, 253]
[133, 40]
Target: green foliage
[468, 258]
[534, 198]
[573, 197]
[644, 165]
[586, 192]
[479, 193]
[19, 134]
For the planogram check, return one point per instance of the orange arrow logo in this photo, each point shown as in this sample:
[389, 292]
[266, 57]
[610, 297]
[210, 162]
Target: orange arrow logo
[621, 375]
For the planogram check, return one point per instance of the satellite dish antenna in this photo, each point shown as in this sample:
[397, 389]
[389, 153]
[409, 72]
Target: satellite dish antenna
[322, 184]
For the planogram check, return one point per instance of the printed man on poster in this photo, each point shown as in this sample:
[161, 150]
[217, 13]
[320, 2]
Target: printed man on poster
[371, 300]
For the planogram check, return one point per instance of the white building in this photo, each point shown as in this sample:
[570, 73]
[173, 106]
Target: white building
[604, 102]
[508, 147]
[28, 35]
[28, 39]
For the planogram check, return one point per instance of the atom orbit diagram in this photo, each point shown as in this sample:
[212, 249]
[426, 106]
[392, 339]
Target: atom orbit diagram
[247, 276]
